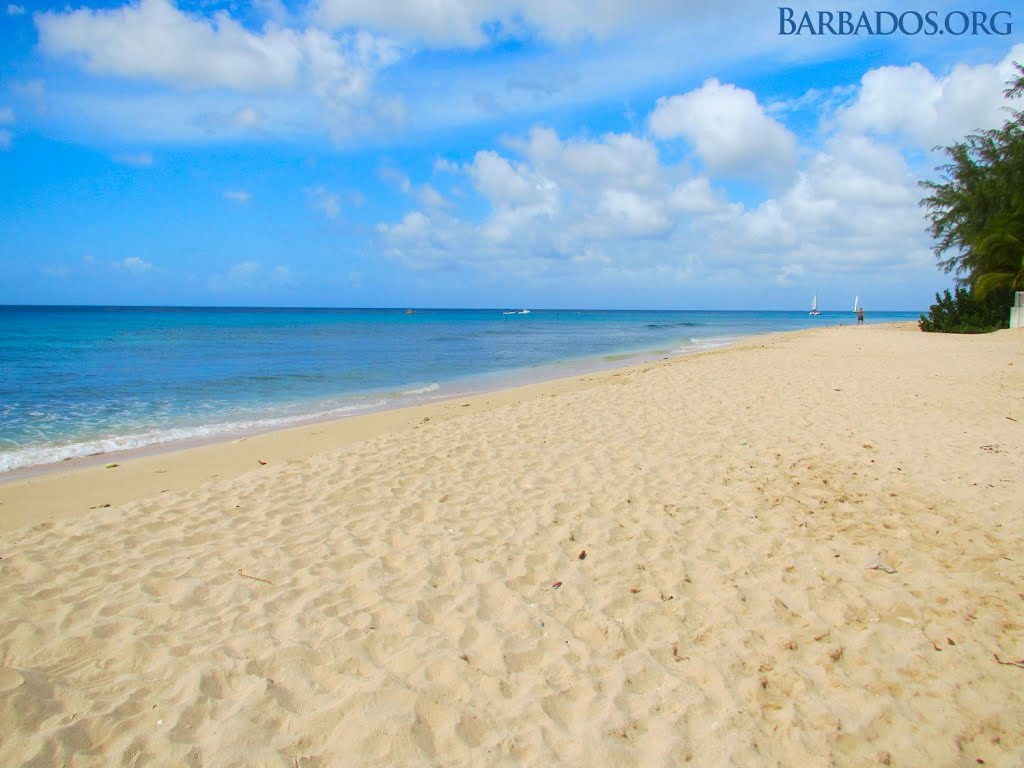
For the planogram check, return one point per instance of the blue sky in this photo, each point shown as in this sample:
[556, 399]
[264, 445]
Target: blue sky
[478, 153]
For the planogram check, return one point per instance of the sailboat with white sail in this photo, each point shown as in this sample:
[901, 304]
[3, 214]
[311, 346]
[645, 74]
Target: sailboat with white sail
[856, 303]
[814, 306]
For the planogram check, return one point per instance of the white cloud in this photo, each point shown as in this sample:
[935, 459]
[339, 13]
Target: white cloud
[428, 241]
[308, 79]
[694, 196]
[153, 39]
[138, 159]
[853, 205]
[503, 184]
[238, 196]
[325, 201]
[430, 197]
[342, 73]
[444, 165]
[330, 76]
[245, 268]
[729, 129]
[135, 265]
[612, 207]
[824, 101]
[249, 275]
[629, 213]
[619, 160]
[15, 10]
[915, 105]
[563, 201]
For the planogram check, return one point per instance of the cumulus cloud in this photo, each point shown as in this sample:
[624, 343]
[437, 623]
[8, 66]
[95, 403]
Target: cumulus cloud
[614, 206]
[238, 196]
[325, 201]
[429, 240]
[561, 200]
[430, 197]
[503, 184]
[15, 10]
[444, 165]
[915, 105]
[153, 39]
[852, 207]
[315, 69]
[619, 160]
[630, 213]
[730, 130]
[135, 265]
[342, 73]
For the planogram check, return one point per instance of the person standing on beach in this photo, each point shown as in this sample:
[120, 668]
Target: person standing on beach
[860, 315]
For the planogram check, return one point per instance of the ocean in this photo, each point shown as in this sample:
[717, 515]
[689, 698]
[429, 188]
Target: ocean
[80, 381]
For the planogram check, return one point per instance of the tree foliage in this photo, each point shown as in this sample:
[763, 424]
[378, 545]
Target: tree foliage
[962, 312]
[976, 210]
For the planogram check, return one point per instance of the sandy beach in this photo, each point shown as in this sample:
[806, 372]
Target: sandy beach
[805, 549]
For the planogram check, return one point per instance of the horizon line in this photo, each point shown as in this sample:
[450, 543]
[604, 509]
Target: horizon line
[405, 307]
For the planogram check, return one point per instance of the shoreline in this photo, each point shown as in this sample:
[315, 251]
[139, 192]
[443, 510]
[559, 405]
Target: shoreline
[470, 385]
[170, 467]
[84, 418]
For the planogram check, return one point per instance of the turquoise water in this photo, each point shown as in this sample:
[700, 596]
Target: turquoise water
[77, 381]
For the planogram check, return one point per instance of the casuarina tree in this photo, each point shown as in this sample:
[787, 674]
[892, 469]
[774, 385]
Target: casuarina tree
[976, 210]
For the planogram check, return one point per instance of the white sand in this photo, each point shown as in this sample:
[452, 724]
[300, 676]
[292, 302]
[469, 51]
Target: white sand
[381, 593]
